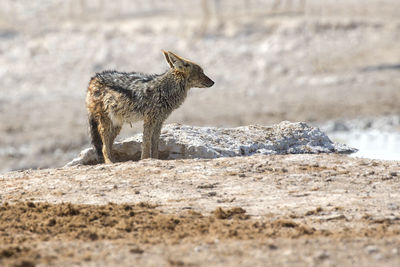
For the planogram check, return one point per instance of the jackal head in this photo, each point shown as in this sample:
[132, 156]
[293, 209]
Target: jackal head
[193, 72]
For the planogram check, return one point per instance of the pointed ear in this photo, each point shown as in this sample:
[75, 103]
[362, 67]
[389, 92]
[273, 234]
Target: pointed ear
[176, 61]
[167, 58]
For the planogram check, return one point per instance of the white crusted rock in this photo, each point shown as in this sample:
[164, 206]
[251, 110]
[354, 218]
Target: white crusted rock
[182, 141]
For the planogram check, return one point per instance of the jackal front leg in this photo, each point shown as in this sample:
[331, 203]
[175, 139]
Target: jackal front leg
[148, 129]
[155, 139]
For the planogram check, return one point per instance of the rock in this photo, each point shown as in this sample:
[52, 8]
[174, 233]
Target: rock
[183, 142]
[322, 255]
[371, 249]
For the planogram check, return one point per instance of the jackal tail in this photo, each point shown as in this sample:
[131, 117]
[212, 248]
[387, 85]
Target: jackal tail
[96, 139]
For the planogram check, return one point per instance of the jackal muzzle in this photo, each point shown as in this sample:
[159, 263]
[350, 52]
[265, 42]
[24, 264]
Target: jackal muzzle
[207, 82]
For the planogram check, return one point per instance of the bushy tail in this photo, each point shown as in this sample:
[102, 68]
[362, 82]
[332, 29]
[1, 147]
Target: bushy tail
[96, 139]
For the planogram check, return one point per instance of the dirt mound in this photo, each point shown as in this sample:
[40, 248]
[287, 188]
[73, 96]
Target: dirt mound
[30, 223]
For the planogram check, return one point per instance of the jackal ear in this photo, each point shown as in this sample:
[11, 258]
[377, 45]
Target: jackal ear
[176, 61]
[167, 58]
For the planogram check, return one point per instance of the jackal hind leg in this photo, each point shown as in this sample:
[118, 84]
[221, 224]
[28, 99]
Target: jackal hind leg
[155, 139]
[106, 133]
[114, 132]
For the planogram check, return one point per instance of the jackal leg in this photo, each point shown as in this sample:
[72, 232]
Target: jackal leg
[105, 131]
[148, 129]
[114, 132]
[155, 139]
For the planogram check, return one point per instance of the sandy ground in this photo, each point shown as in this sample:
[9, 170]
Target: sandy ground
[293, 210]
[329, 60]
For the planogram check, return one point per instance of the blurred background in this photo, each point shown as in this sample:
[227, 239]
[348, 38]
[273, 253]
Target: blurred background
[334, 64]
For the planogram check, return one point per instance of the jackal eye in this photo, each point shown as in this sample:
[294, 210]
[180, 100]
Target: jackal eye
[186, 65]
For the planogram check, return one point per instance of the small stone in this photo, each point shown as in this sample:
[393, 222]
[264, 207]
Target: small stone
[288, 252]
[206, 186]
[51, 222]
[371, 249]
[272, 247]
[323, 255]
[393, 206]
[212, 194]
[136, 251]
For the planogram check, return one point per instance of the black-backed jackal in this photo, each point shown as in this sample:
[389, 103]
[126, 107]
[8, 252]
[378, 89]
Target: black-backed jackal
[114, 98]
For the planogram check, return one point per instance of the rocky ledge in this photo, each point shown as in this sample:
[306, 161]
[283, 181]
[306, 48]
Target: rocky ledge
[188, 142]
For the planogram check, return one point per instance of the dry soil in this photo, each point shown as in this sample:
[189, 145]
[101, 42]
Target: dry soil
[290, 210]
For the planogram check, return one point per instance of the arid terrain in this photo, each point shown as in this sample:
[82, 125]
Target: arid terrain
[332, 60]
[293, 210]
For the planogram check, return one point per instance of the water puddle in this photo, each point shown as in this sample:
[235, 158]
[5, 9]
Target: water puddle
[373, 144]
[375, 137]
